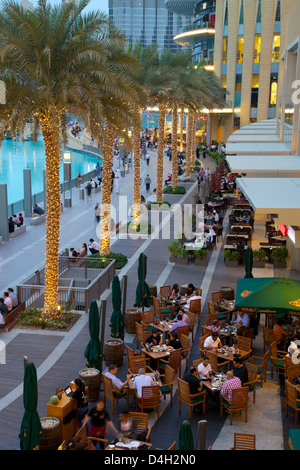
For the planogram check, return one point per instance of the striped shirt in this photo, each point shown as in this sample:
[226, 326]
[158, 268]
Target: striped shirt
[229, 385]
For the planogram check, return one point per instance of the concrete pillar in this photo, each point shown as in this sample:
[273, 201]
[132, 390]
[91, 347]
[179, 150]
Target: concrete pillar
[4, 213]
[27, 192]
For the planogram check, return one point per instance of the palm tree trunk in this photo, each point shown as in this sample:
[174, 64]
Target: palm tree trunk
[106, 190]
[174, 146]
[137, 170]
[51, 136]
[160, 153]
[181, 117]
[188, 144]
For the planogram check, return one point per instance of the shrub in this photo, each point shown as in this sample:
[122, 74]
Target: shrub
[280, 254]
[259, 255]
[177, 190]
[174, 249]
[101, 262]
[142, 227]
[201, 253]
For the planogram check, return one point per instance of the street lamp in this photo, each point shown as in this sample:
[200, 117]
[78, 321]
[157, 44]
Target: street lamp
[67, 178]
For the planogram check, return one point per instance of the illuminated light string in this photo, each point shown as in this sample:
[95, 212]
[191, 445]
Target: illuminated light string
[174, 145]
[137, 170]
[108, 141]
[160, 152]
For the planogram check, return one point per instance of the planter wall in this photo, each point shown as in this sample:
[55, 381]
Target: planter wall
[258, 264]
[201, 262]
[231, 263]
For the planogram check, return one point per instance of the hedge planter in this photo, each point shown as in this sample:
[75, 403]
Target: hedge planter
[201, 262]
[258, 264]
[280, 264]
[181, 261]
[231, 263]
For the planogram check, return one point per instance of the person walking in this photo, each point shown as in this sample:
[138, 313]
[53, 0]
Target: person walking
[78, 180]
[117, 180]
[98, 212]
[147, 159]
[88, 191]
[147, 183]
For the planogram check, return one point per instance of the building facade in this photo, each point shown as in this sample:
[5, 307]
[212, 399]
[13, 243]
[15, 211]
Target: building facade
[242, 41]
[148, 22]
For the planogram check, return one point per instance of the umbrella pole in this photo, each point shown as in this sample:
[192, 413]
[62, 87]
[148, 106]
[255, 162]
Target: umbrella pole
[103, 315]
[143, 287]
[124, 289]
[201, 431]
[25, 362]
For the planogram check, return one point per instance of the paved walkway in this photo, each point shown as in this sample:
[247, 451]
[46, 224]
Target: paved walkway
[59, 357]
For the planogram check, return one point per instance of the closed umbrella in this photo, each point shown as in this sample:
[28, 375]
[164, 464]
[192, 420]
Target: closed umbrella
[93, 352]
[31, 428]
[116, 321]
[186, 441]
[248, 263]
[143, 293]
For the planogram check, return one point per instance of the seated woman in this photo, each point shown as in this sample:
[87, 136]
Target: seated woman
[174, 292]
[84, 251]
[126, 424]
[190, 290]
[173, 341]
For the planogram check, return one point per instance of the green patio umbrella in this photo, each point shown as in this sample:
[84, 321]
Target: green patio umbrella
[93, 351]
[116, 321]
[143, 293]
[186, 441]
[31, 428]
[248, 263]
[274, 295]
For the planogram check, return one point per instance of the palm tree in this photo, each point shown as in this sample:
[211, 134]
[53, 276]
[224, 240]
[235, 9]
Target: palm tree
[147, 58]
[54, 60]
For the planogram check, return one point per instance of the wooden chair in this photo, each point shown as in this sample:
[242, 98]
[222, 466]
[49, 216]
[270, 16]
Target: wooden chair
[244, 441]
[205, 331]
[201, 344]
[216, 365]
[138, 362]
[184, 396]
[182, 330]
[82, 435]
[141, 424]
[129, 354]
[268, 337]
[199, 290]
[185, 343]
[167, 383]
[161, 310]
[174, 361]
[150, 398]
[191, 316]
[291, 370]
[142, 333]
[148, 316]
[252, 379]
[172, 447]
[249, 333]
[196, 362]
[291, 399]
[214, 309]
[216, 297]
[244, 344]
[210, 318]
[164, 293]
[277, 363]
[195, 307]
[211, 308]
[261, 366]
[112, 393]
[238, 402]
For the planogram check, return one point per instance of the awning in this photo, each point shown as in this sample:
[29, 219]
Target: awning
[268, 166]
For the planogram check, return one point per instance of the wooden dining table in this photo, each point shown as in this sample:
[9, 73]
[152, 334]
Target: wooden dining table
[229, 355]
[157, 356]
[131, 442]
[151, 374]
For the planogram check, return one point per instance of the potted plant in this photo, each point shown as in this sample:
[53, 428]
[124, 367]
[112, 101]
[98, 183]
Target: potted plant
[201, 257]
[182, 257]
[174, 250]
[279, 257]
[231, 258]
[259, 257]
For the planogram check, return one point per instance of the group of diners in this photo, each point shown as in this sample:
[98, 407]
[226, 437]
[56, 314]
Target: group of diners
[8, 302]
[15, 221]
[93, 247]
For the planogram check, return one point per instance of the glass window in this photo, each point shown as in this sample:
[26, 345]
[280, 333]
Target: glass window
[258, 16]
[224, 55]
[240, 50]
[257, 48]
[276, 47]
[242, 13]
[273, 90]
[255, 90]
[277, 15]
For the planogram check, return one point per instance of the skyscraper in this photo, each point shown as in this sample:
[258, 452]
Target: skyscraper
[148, 22]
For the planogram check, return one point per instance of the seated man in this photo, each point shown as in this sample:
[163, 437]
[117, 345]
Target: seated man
[213, 342]
[215, 326]
[196, 387]
[112, 374]
[204, 368]
[194, 296]
[179, 322]
[8, 301]
[3, 307]
[142, 380]
[73, 253]
[94, 247]
[184, 316]
[13, 296]
[37, 211]
[230, 383]
[240, 370]
[244, 319]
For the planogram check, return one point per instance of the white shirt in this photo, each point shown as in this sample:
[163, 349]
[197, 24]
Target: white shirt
[211, 343]
[8, 302]
[142, 381]
[95, 245]
[194, 297]
[14, 299]
[204, 370]
[117, 383]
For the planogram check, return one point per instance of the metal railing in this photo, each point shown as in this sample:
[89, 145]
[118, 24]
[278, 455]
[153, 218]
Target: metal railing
[80, 282]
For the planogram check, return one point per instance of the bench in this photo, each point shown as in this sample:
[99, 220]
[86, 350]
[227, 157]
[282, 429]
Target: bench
[18, 231]
[38, 220]
[12, 317]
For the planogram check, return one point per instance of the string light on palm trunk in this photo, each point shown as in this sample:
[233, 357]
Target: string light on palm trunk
[174, 146]
[160, 153]
[137, 170]
[108, 140]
